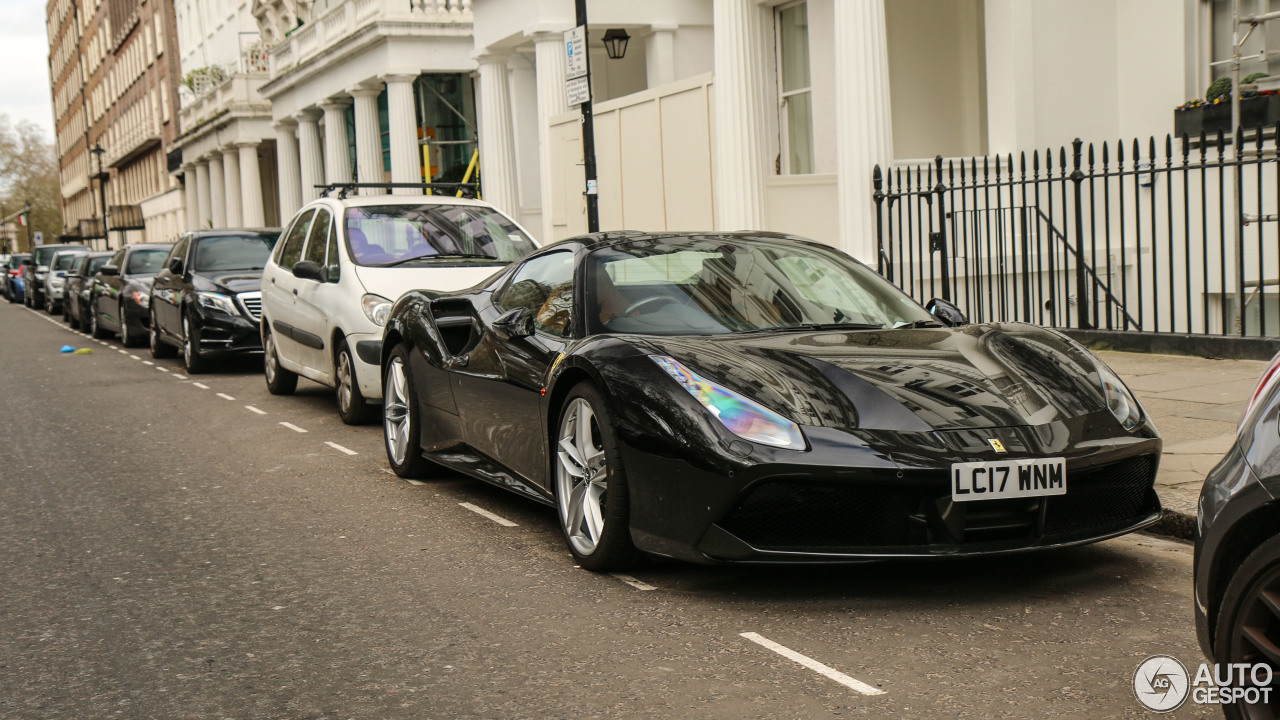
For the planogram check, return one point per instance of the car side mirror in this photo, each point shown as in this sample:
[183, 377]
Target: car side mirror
[175, 266]
[946, 312]
[109, 270]
[308, 270]
[514, 324]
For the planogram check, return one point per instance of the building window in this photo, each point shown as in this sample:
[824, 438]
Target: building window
[795, 96]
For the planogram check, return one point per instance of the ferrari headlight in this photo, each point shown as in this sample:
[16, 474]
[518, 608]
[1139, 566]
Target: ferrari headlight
[216, 301]
[1120, 401]
[376, 308]
[742, 416]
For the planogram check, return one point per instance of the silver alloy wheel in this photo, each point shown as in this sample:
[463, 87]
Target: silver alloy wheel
[396, 422]
[187, 350]
[125, 339]
[153, 339]
[272, 364]
[344, 381]
[581, 477]
[93, 323]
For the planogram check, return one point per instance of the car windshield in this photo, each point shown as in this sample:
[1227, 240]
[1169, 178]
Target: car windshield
[95, 263]
[146, 261]
[233, 252]
[44, 254]
[709, 286]
[382, 235]
[16, 261]
[66, 261]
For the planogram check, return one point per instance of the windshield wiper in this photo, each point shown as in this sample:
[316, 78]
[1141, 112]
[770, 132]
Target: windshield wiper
[405, 261]
[818, 326]
[917, 324]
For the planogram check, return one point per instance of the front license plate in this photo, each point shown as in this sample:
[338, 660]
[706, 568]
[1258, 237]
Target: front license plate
[1032, 477]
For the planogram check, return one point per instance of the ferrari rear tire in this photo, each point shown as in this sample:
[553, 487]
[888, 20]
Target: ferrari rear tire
[1248, 624]
[401, 425]
[352, 407]
[279, 380]
[591, 484]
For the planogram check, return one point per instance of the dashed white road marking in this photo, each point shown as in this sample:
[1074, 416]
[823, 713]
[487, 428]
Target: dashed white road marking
[411, 481]
[225, 396]
[180, 376]
[122, 352]
[147, 362]
[485, 513]
[293, 427]
[633, 582]
[339, 448]
[162, 369]
[135, 357]
[202, 386]
[814, 665]
[253, 409]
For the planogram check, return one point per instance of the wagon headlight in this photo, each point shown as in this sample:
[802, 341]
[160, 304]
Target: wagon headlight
[376, 308]
[216, 301]
[742, 416]
[1120, 401]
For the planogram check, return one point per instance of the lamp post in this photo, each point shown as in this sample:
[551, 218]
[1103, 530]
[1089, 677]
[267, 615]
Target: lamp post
[98, 152]
[26, 216]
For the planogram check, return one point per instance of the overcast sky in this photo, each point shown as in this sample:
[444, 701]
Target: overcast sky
[24, 63]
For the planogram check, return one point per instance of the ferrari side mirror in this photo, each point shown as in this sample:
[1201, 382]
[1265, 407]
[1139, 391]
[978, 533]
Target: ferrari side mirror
[946, 312]
[514, 324]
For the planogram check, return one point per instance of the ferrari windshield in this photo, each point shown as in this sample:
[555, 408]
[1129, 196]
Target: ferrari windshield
[708, 286]
[386, 235]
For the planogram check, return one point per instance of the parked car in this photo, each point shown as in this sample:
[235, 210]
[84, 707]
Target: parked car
[206, 298]
[341, 263]
[761, 398]
[120, 292]
[55, 281]
[33, 276]
[1237, 551]
[12, 276]
[75, 301]
[15, 285]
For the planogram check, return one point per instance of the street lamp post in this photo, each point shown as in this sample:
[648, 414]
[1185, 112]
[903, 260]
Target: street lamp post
[26, 216]
[98, 151]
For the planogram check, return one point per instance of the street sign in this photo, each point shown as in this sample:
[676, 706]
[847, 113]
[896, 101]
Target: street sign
[575, 47]
[577, 90]
[37, 237]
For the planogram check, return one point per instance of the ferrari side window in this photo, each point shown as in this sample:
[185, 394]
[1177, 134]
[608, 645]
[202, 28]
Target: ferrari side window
[544, 285]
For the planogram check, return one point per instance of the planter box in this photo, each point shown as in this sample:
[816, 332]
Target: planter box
[1254, 111]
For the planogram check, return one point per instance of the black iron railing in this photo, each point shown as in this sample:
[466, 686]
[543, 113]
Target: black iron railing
[1120, 237]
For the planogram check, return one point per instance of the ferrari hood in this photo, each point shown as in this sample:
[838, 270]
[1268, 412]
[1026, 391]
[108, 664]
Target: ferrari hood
[391, 283]
[974, 377]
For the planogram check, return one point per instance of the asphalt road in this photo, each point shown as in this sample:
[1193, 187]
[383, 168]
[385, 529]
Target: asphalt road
[167, 552]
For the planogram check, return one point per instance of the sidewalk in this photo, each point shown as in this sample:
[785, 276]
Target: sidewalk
[1196, 403]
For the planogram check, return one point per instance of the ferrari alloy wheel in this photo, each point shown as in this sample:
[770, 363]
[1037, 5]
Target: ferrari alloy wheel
[591, 487]
[400, 417]
[159, 348]
[351, 405]
[279, 380]
[191, 357]
[1248, 628]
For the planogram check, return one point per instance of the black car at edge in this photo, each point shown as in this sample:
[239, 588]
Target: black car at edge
[120, 292]
[753, 397]
[75, 301]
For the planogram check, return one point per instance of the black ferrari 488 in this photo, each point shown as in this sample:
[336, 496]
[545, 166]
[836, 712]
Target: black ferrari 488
[754, 397]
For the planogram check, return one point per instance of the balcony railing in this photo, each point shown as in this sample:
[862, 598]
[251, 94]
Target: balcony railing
[236, 91]
[345, 17]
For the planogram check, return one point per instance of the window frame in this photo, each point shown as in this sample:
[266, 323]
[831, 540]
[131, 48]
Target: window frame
[784, 95]
[574, 293]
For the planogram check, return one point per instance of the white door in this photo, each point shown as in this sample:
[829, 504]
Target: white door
[280, 288]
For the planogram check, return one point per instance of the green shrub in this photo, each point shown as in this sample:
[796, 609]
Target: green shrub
[1218, 88]
[1253, 77]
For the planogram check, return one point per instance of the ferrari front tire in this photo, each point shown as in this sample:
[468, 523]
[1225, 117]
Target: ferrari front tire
[591, 484]
[400, 420]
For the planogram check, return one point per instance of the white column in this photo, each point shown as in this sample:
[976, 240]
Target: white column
[660, 55]
[217, 191]
[549, 65]
[290, 173]
[192, 198]
[337, 154]
[497, 141]
[231, 177]
[205, 200]
[368, 137]
[864, 135]
[311, 162]
[740, 163]
[251, 185]
[406, 164]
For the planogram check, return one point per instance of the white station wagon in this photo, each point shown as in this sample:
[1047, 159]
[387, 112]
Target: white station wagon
[341, 263]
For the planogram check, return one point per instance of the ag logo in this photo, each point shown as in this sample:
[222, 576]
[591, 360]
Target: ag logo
[1161, 683]
[996, 445]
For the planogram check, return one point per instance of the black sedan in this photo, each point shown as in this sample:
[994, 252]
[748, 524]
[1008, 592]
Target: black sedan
[120, 292]
[760, 398]
[75, 301]
[1237, 554]
[207, 299]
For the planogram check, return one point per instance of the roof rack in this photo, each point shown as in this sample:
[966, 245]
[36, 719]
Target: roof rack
[469, 190]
